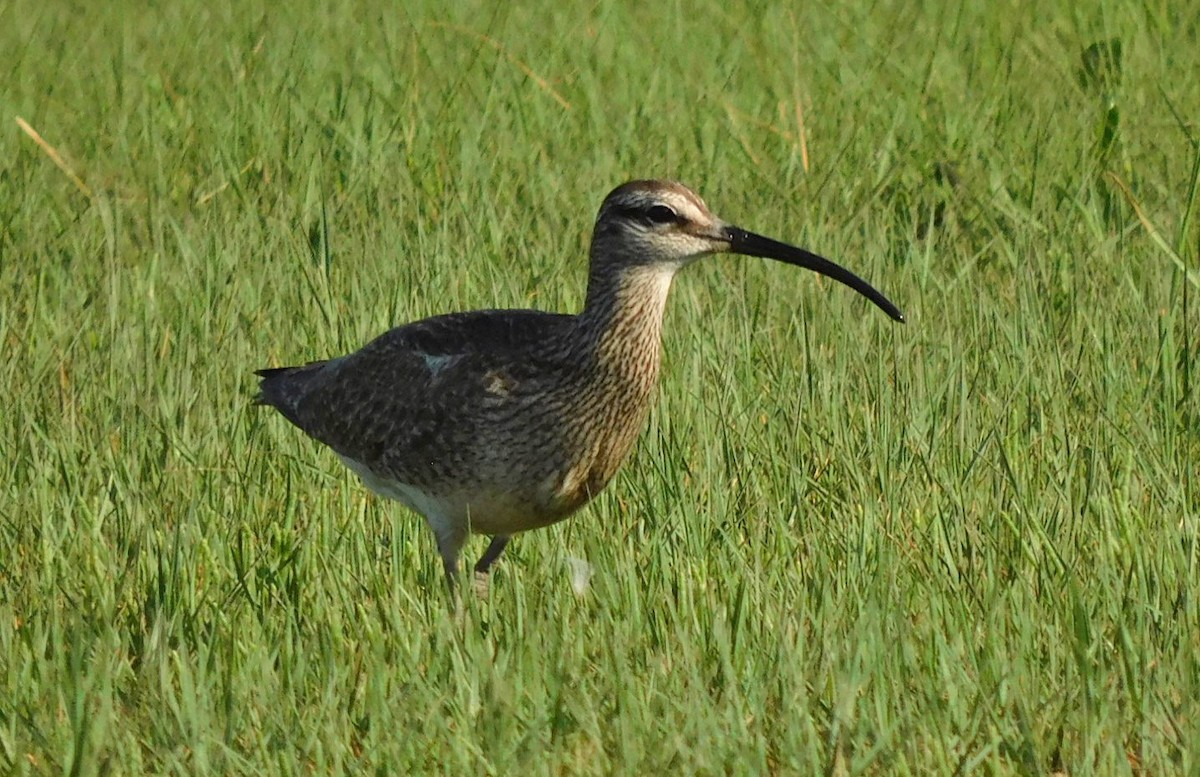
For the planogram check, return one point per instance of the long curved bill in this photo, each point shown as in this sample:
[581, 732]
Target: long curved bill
[750, 244]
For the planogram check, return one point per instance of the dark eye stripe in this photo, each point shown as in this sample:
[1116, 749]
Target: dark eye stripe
[655, 214]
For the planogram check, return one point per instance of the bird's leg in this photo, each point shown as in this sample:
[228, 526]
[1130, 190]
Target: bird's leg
[499, 542]
[485, 563]
[450, 540]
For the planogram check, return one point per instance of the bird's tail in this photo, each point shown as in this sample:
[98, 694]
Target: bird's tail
[284, 387]
[267, 395]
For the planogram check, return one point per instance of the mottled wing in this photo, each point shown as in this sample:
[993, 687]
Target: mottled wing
[416, 394]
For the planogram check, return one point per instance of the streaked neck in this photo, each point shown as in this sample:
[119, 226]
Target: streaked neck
[622, 319]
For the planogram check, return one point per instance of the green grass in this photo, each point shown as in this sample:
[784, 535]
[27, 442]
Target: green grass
[966, 545]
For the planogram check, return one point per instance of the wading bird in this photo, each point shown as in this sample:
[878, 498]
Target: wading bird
[500, 421]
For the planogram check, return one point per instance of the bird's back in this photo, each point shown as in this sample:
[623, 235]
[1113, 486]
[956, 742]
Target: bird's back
[411, 382]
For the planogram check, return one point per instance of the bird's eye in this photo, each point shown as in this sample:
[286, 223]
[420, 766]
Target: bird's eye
[661, 214]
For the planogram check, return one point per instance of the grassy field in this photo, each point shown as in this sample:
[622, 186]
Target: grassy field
[966, 545]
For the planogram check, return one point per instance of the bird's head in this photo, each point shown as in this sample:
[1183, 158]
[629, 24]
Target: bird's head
[661, 226]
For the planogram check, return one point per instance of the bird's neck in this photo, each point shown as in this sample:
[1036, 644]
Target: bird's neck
[622, 320]
[620, 330]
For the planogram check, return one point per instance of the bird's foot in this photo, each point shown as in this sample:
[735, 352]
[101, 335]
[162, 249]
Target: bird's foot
[481, 584]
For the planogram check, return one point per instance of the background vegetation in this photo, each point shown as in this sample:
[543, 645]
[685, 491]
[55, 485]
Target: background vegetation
[965, 545]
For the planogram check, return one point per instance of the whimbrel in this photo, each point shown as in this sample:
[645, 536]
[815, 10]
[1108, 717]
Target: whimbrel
[500, 421]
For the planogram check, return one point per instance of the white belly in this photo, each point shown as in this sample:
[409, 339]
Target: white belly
[442, 514]
[481, 513]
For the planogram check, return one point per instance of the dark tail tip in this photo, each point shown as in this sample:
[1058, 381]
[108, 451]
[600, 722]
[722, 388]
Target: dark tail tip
[269, 375]
[270, 372]
[284, 388]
